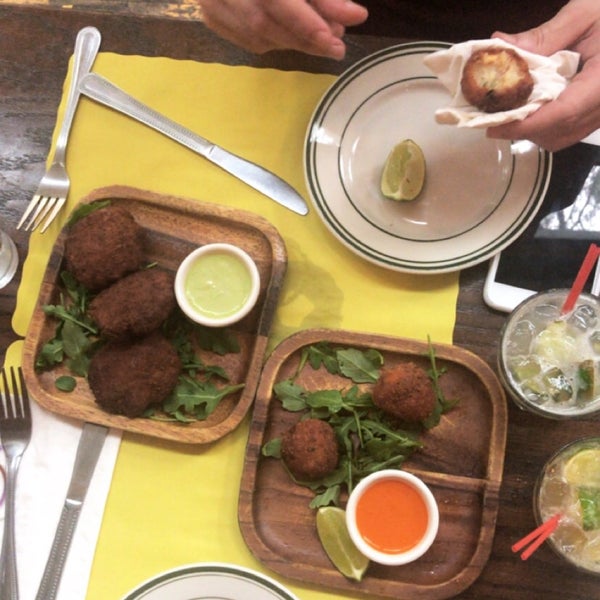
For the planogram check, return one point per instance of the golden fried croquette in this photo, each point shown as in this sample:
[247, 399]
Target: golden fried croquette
[310, 449]
[135, 305]
[128, 377]
[496, 79]
[104, 246]
[405, 392]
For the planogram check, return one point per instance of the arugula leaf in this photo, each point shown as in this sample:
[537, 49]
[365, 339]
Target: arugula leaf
[332, 400]
[50, 355]
[76, 338]
[321, 354]
[369, 440]
[86, 209]
[272, 448]
[442, 404]
[330, 495]
[199, 399]
[589, 500]
[292, 396]
[217, 340]
[360, 367]
[65, 383]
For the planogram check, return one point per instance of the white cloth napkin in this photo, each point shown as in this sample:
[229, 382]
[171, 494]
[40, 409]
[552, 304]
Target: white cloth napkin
[42, 483]
[550, 74]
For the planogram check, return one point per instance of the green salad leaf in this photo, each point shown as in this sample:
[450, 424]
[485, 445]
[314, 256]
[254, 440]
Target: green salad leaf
[368, 438]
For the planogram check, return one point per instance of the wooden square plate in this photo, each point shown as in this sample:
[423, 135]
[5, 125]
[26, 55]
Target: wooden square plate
[461, 461]
[173, 228]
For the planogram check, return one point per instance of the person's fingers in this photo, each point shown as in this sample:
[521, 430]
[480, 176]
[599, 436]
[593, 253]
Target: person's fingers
[224, 20]
[316, 25]
[344, 12]
[563, 122]
[260, 26]
[560, 32]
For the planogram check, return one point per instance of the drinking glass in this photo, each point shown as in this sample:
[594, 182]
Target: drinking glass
[9, 258]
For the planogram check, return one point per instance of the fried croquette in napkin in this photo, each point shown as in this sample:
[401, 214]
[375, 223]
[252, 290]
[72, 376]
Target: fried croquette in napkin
[551, 74]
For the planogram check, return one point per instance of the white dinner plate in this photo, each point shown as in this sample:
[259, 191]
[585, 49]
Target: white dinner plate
[210, 581]
[479, 193]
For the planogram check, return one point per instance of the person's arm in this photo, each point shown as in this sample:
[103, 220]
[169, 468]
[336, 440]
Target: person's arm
[576, 112]
[314, 27]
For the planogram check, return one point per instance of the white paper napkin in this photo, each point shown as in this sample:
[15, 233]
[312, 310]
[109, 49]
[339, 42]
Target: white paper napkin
[42, 483]
[550, 75]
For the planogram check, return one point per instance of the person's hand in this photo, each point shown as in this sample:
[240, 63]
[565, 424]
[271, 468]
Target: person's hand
[576, 112]
[314, 27]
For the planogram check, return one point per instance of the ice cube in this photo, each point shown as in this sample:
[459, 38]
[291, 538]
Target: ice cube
[521, 337]
[595, 341]
[584, 317]
[544, 313]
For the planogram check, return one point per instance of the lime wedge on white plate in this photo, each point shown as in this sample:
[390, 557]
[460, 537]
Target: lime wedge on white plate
[404, 172]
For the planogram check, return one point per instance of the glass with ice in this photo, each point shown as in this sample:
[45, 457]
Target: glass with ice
[569, 485]
[8, 259]
[548, 362]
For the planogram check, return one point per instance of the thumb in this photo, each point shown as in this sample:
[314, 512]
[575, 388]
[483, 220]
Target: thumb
[556, 34]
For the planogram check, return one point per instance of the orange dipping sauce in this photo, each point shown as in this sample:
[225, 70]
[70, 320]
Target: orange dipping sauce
[391, 516]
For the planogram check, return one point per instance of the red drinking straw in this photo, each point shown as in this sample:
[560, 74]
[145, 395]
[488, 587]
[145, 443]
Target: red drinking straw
[536, 538]
[584, 272]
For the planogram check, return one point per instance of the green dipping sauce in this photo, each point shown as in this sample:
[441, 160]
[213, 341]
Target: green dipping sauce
[217, 285]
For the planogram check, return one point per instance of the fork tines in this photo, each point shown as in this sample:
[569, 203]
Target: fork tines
[14, 398]
[40, 208]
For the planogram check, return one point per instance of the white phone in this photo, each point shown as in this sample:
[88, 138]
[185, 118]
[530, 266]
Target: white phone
[502, 296]
[549, 253]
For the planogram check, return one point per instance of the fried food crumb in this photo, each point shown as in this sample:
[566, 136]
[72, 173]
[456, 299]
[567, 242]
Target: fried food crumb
[496, 79]
[104, 246]
[310, 449]
[405, 392]
[135, 305]
[128, 377]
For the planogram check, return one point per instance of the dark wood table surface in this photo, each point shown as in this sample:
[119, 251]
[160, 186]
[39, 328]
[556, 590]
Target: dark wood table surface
[35, 46]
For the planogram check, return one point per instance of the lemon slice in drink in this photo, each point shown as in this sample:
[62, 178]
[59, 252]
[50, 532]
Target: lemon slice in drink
[556, 345]
[334, 536]
[583, 468]
[404, 172]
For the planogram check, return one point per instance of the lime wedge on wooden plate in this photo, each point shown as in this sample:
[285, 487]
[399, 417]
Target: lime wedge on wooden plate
[583, 468]
[333, 533]
[404, 172]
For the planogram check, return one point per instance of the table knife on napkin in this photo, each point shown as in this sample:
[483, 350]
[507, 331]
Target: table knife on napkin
[100, 89]
[89, 448]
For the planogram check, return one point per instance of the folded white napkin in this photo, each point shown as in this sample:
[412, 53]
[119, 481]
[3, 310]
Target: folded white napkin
[550, 76]
[42, 483]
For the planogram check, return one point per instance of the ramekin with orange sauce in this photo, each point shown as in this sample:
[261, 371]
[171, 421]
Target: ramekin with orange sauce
[392, 517]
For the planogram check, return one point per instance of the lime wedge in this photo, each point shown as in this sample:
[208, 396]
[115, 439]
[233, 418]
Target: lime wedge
[586, 375]
[583, 468]
[334, 536]
[404, 172]
[556, 345]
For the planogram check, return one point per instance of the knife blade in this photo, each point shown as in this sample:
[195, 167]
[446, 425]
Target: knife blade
[101, 90]
[88, 450]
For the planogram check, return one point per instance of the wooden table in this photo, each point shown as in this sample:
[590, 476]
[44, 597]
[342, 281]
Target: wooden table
[35, 45]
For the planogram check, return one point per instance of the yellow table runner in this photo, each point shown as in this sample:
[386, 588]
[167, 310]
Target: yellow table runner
[171, 504]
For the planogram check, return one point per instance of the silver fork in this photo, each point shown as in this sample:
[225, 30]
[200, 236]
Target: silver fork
[52, 191]
[15, 433]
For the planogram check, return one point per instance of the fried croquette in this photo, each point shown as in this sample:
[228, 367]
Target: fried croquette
[135, 305]
[128, 377]
[104, 246]
[310, 449]
[496, 79]
[405, 392]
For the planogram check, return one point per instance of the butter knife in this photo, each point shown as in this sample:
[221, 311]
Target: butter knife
[89, 448]
[100, 89]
